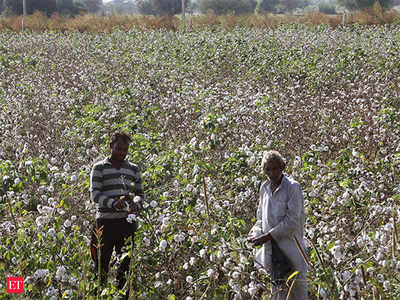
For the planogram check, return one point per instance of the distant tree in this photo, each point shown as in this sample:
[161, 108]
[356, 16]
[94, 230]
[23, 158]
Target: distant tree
[14, 7]
[266, 5]
[46, 6]
[353, 5]
[92, 6]
[291, 5]
[225, 6]
[120, 7]
[69, 7]
[145, 7]
[160, 7]
[327, 8]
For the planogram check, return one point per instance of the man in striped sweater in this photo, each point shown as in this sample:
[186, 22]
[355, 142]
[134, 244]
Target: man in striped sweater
[116, 188]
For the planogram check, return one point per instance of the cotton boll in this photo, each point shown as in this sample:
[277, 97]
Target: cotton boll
[192, 261]
[163, 245]
[235, 275]
[202, 253]
[212, 274]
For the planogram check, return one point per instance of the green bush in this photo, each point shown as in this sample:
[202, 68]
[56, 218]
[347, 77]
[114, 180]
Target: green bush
[327, 8]
[227, 6]
[361, 4]
[159, 7]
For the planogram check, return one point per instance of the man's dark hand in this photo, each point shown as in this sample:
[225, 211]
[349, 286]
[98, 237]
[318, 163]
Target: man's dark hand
[260, 239]
[119, 204]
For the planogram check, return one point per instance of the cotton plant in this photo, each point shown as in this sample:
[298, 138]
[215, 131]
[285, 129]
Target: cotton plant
[202, 108]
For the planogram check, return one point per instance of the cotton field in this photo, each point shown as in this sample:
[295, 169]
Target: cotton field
[202, 107]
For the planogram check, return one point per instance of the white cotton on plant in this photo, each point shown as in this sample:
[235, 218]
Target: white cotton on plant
[252, 291]
[189, 279]
[42, 220]
[51, 232]
[179, 237]
[61, 274]
[202, 253]
[153, 204]
[192, 260]
[40, 274]
[67, 293]
[337, 252]
[243, 259]
[131, 218]
[227, 263]
[386, 285]
[235, 275]
[66, 167]
[165, 220]
[211, 273]
[346, 275]
[237, 296]
[163, 245]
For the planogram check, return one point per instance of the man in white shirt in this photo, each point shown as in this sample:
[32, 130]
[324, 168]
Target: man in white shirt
[280, 221]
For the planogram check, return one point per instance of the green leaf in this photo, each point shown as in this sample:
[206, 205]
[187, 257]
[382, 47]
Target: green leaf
[171, 297]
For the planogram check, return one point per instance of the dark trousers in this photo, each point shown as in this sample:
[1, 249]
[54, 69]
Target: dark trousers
[114, 233]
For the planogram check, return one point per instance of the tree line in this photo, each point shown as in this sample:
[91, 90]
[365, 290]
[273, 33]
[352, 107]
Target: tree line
[173, 7]
[49, 7]
[220, 7]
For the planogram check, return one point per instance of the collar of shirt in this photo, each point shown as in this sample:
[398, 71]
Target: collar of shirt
[281, 186]
[107, 161]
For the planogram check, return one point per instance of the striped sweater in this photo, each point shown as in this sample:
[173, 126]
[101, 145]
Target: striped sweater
[107, 184]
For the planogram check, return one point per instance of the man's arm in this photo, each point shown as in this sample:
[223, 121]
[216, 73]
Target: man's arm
[96, 187]
[255, 235]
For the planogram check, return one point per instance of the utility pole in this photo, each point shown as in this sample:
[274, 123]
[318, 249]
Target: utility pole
[24, 13]
[183, 15]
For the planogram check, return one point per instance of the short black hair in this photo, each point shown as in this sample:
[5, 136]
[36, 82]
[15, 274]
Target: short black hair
[120, 135]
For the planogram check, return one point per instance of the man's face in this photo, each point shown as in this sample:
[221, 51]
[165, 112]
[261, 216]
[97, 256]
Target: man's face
[274, 170]
[119, 150]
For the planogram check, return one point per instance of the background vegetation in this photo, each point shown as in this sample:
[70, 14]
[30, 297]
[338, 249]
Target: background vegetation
[66, 7]
[173, 7]
[91, 23]
[202, 106]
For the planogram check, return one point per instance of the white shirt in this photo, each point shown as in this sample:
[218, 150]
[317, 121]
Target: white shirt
[281, 214]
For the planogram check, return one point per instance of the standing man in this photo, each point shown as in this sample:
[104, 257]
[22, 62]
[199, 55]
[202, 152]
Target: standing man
[114, 182]
[280, 221]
